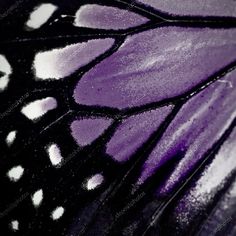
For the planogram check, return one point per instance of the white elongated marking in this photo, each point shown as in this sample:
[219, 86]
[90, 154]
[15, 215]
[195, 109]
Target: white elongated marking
[54, 154]
[94, 181]
[37, 198]
[11, 137]
[4, 80]
[40, 15]
[15, 173]
[6, 69]
[38, 108]
[57, 213]
[15, 225]
[59, 63]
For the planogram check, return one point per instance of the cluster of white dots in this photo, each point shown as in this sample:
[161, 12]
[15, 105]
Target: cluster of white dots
[15, 173]
[55, 157]
[33, 111]
[37, 198]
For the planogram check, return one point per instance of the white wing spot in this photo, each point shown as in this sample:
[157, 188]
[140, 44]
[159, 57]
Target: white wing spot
[6, 69]
[15, 173]
[37, 197]
[57, 213]
[94, 182]
[15, 225]
[38, 108]
[54, 154]
[11, 137]
[40, 15]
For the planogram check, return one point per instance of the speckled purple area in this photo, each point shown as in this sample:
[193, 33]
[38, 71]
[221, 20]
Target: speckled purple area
[86, 130]
[155, 65]
[194, 7]
[106, 17]
[197, 126]
[134, 131]
[143, 138]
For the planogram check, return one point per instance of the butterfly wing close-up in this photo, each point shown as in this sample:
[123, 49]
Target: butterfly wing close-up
[117, 118]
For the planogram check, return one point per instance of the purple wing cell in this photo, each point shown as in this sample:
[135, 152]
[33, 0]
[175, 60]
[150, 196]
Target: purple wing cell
[62, 62]
[134, 131]
[155, 65]
[104, 17]
[86, 130]
[197, 126]
[194, 7]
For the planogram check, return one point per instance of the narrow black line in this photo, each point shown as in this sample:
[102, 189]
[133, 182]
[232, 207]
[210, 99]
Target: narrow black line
[131, 31]
[59, 37]
[97, 111]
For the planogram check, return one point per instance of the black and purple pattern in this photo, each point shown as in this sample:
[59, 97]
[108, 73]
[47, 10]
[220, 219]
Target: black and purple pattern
[118, 117]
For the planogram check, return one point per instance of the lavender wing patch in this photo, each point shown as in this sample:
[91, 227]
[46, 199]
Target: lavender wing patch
[197, 126]
[134, 131]
[148, 64]
[107, 17]
[86, 130]
[194, 8]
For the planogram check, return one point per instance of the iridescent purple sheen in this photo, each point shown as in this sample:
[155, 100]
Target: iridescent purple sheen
[86, 130]
[223, 215]
[155, 65]
[134, 131]
[211, 182]
[194, 7]
[197, 126]
[106, 17]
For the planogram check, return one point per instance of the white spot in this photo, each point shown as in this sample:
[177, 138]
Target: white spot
[15, 173]
[15, 225]
[94, 181]
[11, 137]
[57, 213]
[4, 80]
[40, 15]
[230, 84]
[38, 108]
[54, 154]
[5, 68]
[4, 65]
[37, 197]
